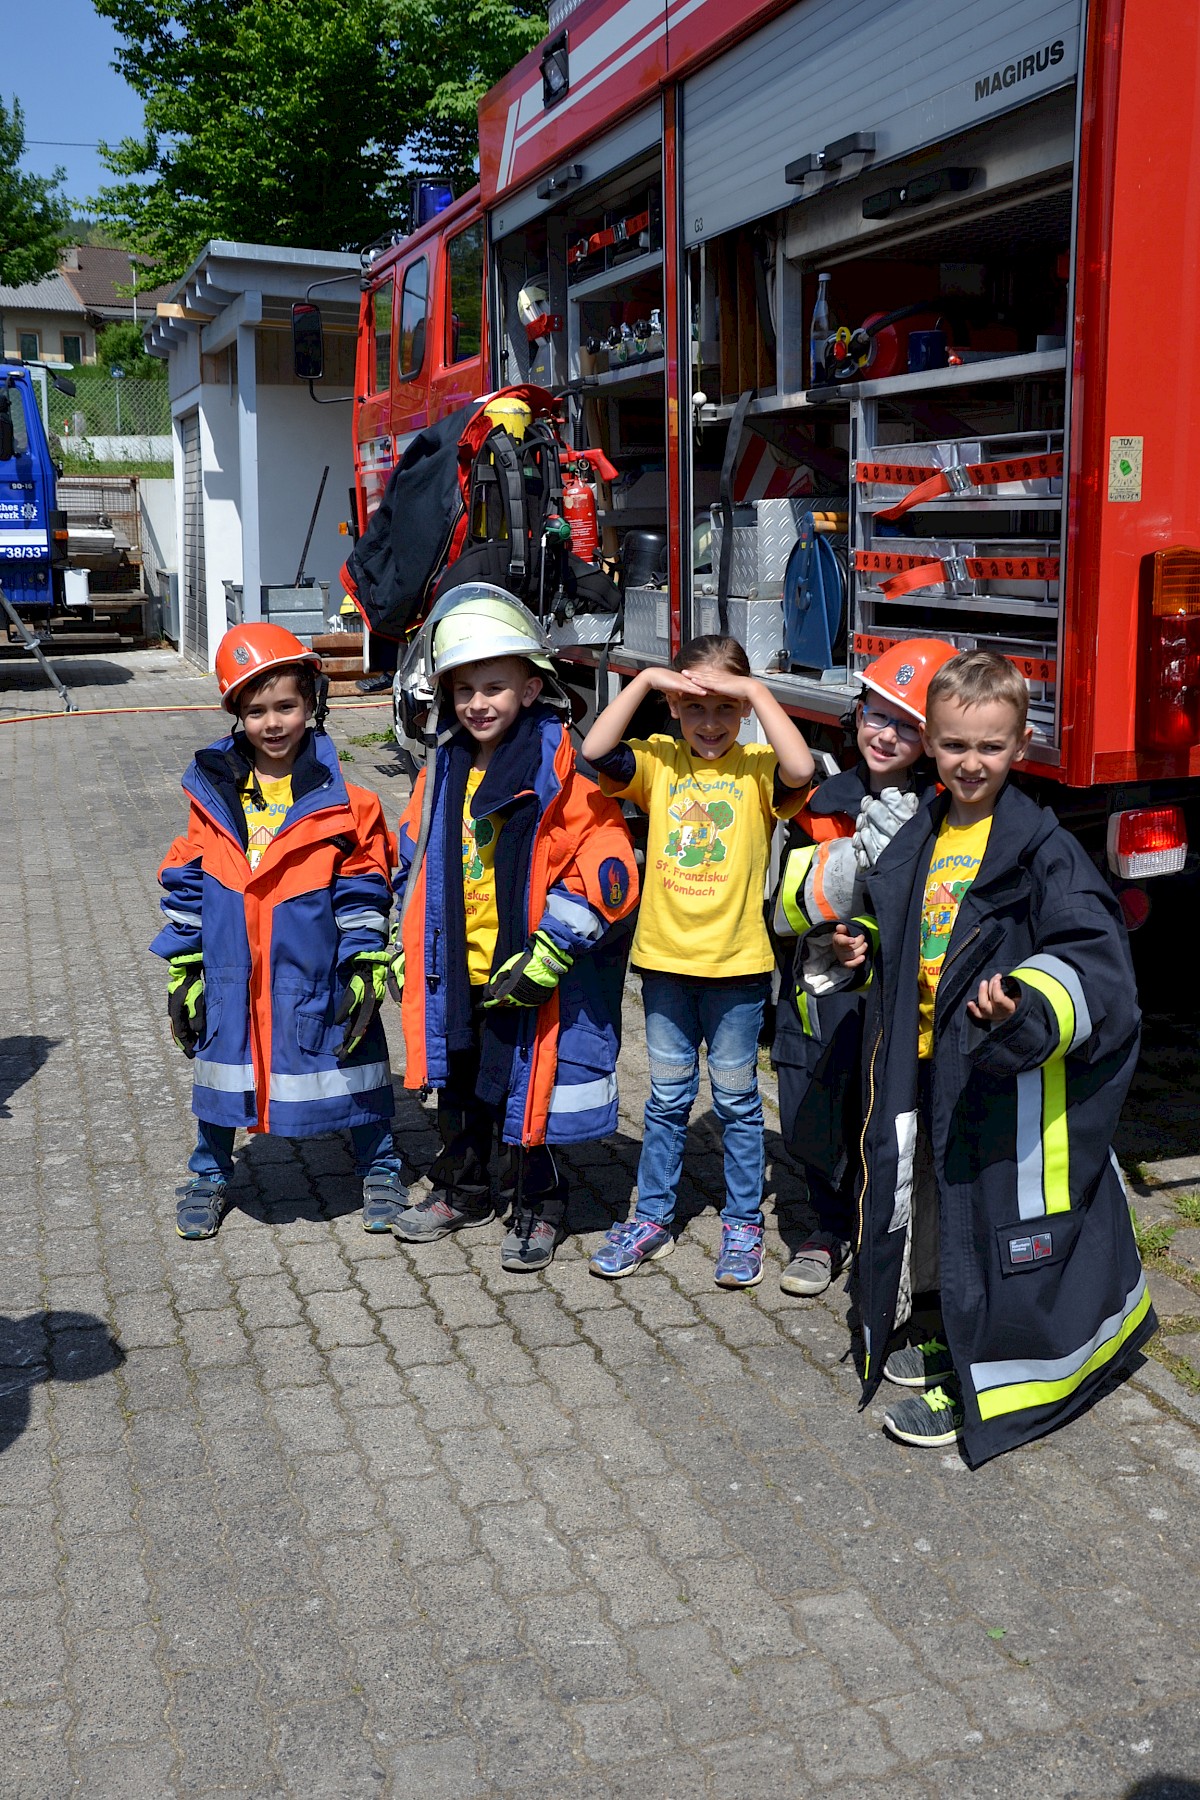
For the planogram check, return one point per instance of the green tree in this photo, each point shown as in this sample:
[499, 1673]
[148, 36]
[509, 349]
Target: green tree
[33, 212]
[450, 53]
[296, 122]
[122, 345]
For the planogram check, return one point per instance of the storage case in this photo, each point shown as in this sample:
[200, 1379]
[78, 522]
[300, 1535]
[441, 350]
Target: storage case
[763, 534]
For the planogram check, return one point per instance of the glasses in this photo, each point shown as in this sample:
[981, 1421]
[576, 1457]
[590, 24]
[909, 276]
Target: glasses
[875, 719]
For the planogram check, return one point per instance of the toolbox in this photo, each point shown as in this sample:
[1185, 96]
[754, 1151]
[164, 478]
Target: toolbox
[763, 534]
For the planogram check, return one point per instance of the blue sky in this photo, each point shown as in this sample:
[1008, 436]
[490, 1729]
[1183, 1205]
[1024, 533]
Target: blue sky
[61, 72]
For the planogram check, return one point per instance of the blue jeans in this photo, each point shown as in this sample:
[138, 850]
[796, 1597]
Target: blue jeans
[372, 1145]
[682, 1012]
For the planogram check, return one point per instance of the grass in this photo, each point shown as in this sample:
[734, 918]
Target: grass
[1153, 1241]
[368, 738]
[88, 465]
[1188, 1208]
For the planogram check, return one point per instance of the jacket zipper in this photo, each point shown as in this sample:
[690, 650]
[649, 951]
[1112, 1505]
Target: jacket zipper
[966, 943]
[431, 978]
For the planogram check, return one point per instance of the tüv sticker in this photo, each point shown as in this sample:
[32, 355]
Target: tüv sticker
[1125, 468]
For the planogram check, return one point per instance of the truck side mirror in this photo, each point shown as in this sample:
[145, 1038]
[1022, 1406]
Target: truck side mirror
[308, 341]
[8, 442]
[64, 385]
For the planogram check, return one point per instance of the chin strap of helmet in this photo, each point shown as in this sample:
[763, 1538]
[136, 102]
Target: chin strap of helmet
[321, 710]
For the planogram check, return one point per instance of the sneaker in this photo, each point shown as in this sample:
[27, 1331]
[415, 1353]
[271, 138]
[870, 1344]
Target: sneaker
[440, 1213]
[818, 1261]
[919, 1365]
[529, 1243]
[927, 1420]
[200, 1207]
[385, 1197]
[740, 1263]
[625, 1246]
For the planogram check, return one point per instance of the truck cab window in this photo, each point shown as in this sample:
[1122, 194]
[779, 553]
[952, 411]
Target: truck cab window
[464, 294]
[381, 324]
[414, 304]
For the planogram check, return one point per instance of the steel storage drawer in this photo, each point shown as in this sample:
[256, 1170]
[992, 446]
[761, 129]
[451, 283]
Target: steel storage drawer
[648, 621]
[763, 534]
[756, 624]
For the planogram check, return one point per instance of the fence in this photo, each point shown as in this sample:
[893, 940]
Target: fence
[138, 406]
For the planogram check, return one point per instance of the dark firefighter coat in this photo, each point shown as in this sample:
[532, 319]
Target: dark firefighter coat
[1043, 1294]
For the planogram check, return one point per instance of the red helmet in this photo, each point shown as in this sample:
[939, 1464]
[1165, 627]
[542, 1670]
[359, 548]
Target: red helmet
[902, 674]
[250, 650]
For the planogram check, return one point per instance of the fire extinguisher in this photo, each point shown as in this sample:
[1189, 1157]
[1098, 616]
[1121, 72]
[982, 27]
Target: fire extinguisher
[580, 469]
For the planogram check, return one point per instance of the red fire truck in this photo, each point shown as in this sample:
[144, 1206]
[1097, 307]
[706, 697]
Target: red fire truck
[1000, 444]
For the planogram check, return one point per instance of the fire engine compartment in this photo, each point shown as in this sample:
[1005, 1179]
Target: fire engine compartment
[968, 238]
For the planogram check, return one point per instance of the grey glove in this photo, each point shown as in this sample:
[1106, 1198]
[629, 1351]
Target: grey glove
[879, 819]
[820, 971]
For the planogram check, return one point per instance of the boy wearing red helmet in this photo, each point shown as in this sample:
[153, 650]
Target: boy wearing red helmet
[276, 919]
[817, 1050]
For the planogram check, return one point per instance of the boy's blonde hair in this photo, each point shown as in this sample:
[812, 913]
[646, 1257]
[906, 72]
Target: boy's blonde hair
[977, 678]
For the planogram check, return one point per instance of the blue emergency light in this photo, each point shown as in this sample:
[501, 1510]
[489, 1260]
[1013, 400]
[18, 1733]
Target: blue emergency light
[429, 199]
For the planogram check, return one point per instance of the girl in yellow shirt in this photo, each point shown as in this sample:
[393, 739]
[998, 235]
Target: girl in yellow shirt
[701, 943]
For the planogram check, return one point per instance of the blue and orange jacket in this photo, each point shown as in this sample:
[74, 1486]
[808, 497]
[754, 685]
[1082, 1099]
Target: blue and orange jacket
[277, 943]
[582, 882]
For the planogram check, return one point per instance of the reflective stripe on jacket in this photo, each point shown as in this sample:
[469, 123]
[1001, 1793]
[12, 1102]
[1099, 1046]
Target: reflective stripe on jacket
[1043, 1293]
[582, 881]
[277, 942]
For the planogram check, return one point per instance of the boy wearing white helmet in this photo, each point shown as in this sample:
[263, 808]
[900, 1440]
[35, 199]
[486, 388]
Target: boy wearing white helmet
[514, 871]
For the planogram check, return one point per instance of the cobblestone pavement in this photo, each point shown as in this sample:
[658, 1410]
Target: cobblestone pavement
[300, 1511]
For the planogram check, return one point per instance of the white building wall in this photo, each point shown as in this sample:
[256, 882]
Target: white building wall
[296, 439]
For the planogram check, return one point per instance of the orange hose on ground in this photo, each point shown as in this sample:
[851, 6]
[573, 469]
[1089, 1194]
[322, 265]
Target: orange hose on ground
[99, 712]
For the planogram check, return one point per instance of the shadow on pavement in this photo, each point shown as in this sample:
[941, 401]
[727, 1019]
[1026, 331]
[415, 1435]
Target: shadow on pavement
[20, 1059]
[75, 669]
[1163, 1787]
[48, 1346]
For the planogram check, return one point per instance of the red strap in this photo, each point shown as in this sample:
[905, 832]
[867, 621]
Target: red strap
[1033, 668]
[912, 572]
[604, 240]
[932, 484]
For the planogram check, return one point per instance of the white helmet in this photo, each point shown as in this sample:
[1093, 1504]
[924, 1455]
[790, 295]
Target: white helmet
[476, 621]
[470, 623]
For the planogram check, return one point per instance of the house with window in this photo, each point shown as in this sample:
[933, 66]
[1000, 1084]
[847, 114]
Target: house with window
[56, 320]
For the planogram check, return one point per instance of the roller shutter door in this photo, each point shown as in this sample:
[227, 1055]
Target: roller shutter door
[195, 597]
[912, 72]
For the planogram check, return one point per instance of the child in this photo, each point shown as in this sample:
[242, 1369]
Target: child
[989, 1172]
[818, 1040]
[277, 903]
[701, 941]
[512, 1000]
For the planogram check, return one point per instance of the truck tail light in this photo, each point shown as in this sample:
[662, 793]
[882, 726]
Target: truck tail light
[1150, 840]
[1169, 709]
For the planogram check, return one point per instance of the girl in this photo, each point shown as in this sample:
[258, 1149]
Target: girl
[701, 942]
[818, 1040]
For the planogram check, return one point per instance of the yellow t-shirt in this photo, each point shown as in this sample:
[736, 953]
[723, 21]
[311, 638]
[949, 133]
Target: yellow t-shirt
[262, 822]
[706, 856]
[479, 885]
[953, 866]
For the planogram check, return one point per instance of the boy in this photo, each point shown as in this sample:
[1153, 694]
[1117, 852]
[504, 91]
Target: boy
[277, 902]
[989, 1173]
[817, 1051]
[512, 972]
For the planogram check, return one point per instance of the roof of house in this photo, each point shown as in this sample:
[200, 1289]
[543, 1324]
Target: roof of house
[95, 273]
[50, 294]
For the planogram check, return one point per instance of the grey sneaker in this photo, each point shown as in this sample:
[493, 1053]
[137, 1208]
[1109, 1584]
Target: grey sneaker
[818, 1261]
[440, 1213]
[919, 1365]
[928, 1420]
[529, 1243]
[385, 1198]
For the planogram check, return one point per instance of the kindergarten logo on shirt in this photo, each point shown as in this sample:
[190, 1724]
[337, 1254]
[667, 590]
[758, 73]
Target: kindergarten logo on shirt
[696, 839]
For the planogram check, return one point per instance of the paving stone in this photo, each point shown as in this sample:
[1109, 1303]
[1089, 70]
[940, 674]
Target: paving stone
[313, 1512]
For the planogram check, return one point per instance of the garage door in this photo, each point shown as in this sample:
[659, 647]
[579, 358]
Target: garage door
[195, 597]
